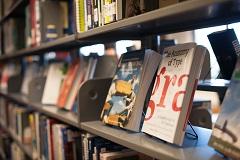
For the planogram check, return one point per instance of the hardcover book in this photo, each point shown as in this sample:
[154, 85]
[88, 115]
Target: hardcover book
[225, 134]
[171, 99]
[126, 97]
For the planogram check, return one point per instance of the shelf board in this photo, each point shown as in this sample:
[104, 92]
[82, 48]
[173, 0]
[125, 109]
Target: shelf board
[24, 147]
[13, 10]
[183, 16]
[51, 111]
[64, 43]
[191, 149]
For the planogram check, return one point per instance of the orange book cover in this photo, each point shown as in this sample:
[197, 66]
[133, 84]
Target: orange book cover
[67, 83]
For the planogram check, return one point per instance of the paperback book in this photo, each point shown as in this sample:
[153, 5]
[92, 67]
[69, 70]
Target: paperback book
[126, 97]
[226, 129]
[171, 99]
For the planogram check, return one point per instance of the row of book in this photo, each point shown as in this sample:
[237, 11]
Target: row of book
[47, 20]
[10, 149]
[57, 82]
[43, 21]
[94, 13]
[53, 140]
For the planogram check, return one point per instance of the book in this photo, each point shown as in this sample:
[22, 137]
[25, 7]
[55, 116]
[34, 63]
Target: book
[55, 76]
[78, 81]
[14, 35]
[80, 15]
[120, 155]
[31, 72]
[226, 48]
[67, 83]
[52, 21]
[225, 132]
[126, 96]
[89, 14]
[171, 99]
[50, 123]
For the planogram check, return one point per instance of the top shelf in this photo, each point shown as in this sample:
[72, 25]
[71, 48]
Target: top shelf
[188, 15]
[13, 10]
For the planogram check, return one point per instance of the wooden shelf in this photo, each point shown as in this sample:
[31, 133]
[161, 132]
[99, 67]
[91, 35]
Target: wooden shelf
[183, 16]
[51, 111]
[13, 10]
[25, 148]
[191, 149]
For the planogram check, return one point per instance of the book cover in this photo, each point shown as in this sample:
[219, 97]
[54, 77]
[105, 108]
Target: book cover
[225, 132]
[172, 94]
[53, 83]
[122, 93]
[226, 49]
[75, 87]
[67, 83]
[125, 100]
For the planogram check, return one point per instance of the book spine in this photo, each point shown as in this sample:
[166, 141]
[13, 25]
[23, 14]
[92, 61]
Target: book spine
[89, 14]
[71, 24]
[82, 15]
[33, 22]
[67, 84]
[95, 13]
[113, 11]
[37, 124]
[37, 22]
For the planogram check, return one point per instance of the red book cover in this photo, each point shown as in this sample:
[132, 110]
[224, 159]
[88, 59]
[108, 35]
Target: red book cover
[67, 83]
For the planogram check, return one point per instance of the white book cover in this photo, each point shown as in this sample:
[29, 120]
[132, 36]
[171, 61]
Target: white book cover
[53, 83]
[172, 94]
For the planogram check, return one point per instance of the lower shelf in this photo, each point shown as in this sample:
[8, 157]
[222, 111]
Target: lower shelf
[25, 148]
[51, 111]
[191, 149]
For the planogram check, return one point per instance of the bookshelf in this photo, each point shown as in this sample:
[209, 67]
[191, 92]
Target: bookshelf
[59, 44]
[51, 111]
[160, 21]
[14, 10]
[25, 148]
[191, 149]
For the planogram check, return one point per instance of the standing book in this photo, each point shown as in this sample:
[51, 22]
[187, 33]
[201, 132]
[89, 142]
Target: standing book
[68, 83]
[171, 100]
[52, 86]
[126, 97]
[225, 134]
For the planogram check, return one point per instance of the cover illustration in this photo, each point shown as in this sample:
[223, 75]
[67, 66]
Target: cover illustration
[121, 97]
[226, 130]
